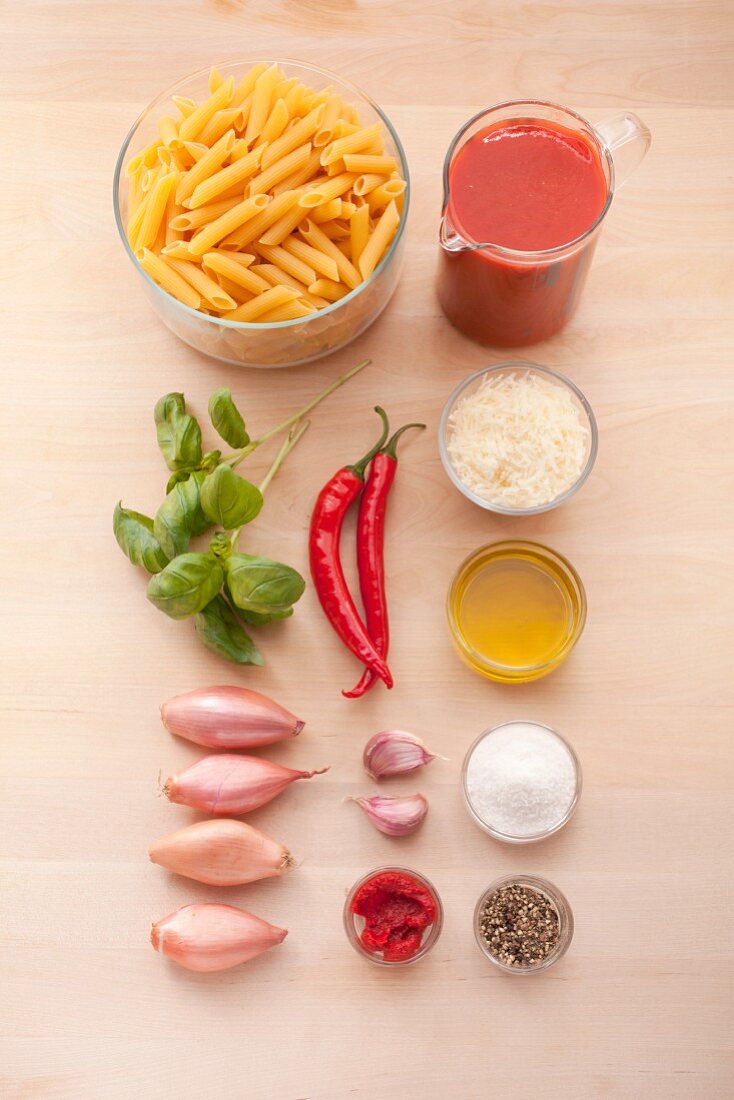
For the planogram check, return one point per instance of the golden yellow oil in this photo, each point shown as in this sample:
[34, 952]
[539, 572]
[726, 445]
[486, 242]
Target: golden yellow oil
[516, 609]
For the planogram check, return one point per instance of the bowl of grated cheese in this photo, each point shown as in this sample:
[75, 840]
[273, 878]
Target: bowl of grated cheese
[518, 438]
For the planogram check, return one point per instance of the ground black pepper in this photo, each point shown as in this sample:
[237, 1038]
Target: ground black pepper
[519, 925]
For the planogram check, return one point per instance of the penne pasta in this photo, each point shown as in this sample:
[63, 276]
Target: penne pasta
[163, 274]
[217, 230]
[211, 292]
[359, 229]
[331, 189]
[315, 259]
[278, 171]
[379, 240]
[233, 175]
[262, 99]
[263, 303]
[326, 288]
[350, 143]
[276, 123]
[286, 261]
[265, 202]
[192, 126]
[347, 271]
[365, 162]
[205, 166]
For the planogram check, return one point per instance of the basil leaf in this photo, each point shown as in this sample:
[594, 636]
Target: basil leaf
[176, 476]
[186, 585]
[134, 534]
[180, 517]
[229, 500]
[227, 419]
[221, 631]
[210, 461]
[179, 434]
[261, 585]
[262, 618]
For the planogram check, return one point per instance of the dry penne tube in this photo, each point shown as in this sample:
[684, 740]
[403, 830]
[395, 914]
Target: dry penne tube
[217, 230]
[194, 123]
[287, 261]
[355, 142]
[163, 274]
[379, 240]
[234, 174]
[265, 185]
[236, 273]
[269, 299]
[313, 235]
[209, 289]
[328, 289]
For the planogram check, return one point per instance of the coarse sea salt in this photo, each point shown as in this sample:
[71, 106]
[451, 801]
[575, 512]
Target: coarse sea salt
[521, 779]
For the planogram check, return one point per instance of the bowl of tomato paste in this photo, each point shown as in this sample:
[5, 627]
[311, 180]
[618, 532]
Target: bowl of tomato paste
[393, 916]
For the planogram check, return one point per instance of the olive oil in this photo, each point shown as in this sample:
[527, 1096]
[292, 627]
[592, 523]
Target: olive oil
[516, 609]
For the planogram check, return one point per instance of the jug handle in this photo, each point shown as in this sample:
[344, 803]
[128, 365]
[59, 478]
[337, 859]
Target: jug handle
[627, 138]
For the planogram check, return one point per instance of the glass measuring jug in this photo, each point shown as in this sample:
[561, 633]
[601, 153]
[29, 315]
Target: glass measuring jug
[512, 296]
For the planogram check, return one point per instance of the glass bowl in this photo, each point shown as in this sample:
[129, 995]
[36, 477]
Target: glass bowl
[286, 343]
[526, 838]
[521, 367]
[353, 923]
[559, 903]
[564, 576]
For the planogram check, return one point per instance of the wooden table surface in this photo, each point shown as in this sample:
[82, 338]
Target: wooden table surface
[642, 1004]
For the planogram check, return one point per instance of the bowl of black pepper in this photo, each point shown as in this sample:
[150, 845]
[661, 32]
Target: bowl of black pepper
[523, 924]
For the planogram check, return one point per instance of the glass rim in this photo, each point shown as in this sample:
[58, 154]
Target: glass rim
[498, 368]
[509, 838]
[432, 932]
[559, 902]
[256, 326]
[518, 671]
[518, 254]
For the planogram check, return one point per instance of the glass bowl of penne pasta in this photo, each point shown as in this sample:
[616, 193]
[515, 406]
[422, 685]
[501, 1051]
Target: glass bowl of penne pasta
[263, 205]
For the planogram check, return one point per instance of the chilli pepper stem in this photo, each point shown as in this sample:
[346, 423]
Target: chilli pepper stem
[239, 456]
[358, 468]
[391, 447]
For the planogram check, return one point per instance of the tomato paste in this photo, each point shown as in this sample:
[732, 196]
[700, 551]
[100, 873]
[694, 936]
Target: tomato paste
[530, 186]
[397, 909]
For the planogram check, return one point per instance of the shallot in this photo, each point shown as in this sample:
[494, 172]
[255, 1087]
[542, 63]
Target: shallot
[226, 783]
[221, 852]
[213, 937]
[226, 717]
[394, 752]
[398, 815]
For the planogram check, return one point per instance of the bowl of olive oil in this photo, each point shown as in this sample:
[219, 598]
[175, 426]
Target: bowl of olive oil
[516, 609]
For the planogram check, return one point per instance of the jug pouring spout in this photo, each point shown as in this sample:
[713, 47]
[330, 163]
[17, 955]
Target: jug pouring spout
[450, 240]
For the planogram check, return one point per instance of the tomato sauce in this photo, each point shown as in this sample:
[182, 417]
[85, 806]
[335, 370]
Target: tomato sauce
[397, 910]
[529, 186]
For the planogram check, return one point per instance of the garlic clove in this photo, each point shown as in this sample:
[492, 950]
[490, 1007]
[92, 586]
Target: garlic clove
[213, 937]
[227, 717]
[221, 852]
[394, 752]
[398, 815]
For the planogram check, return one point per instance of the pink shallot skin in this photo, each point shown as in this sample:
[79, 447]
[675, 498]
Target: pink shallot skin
[228, 717]
[226, 783]
[210, 936]
[221, 852]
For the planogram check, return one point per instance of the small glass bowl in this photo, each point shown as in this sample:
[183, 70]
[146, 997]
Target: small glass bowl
[565, 575]
[528, 838]
[519, 367]
[353, 923]
[557, 900]
[285, 343]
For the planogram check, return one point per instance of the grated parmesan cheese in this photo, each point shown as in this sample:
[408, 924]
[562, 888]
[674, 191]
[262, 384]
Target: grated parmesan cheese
[519, 440]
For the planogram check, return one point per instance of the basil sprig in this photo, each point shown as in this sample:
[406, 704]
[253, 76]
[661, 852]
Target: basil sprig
[220, 589]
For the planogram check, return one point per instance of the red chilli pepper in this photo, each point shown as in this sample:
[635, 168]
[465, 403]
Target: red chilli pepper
[371, 551]
[329, 581]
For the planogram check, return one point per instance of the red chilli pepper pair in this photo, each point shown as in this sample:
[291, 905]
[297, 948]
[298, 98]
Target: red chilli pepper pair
[368, 643]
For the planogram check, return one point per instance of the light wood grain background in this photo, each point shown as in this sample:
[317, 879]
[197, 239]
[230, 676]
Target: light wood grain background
[642, 1005]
